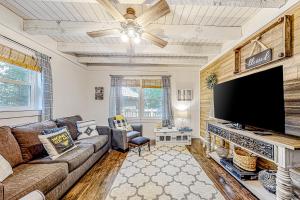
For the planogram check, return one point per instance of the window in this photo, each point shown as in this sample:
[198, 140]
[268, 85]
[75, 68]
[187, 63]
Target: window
[19, 88]
[141, 100]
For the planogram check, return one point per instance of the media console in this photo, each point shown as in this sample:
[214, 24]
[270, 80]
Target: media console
[283, 150]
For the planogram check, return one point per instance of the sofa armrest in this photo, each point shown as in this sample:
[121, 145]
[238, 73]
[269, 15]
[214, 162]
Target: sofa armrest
[119, 139]
[138, 127]
[105, 130]
[1, 191]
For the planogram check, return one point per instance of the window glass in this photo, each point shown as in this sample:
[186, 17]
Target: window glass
[18, 87]
[152, 102]
[11, 72]
[130, 101]
[14, 95]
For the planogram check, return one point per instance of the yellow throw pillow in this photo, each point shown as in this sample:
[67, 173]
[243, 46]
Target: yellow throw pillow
[119, 117]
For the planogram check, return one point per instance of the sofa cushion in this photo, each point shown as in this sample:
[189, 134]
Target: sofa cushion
[132, 134]
[27, 137]
[70, 122]
[29, 177]
[74, 158]
[97, 141]
[9, 147]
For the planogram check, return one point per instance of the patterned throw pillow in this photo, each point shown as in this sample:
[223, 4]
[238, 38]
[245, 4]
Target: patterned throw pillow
[57, 142]
[121, 123]
[86, 129]
[5, 169]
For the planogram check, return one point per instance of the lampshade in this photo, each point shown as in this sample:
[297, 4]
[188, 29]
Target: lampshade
[181, 114]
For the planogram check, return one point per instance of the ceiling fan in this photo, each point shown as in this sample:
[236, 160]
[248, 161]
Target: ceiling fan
[132, 27]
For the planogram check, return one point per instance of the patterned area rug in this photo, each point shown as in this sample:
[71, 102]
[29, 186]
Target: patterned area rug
[167, 172]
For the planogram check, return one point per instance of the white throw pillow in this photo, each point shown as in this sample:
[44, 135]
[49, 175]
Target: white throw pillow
[5, 169]
[86, 129]
[57, 143]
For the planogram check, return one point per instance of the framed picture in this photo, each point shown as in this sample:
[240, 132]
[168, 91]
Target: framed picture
[184, 95]
[99, 93]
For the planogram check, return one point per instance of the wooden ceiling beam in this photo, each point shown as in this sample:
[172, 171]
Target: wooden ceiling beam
[196, 61]
[231, 3]
[42, 27]
[142, 50]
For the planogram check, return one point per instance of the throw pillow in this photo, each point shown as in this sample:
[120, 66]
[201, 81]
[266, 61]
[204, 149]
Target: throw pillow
[9, 147]
[5, 169]
[27, 137]
[129, 127]
[119, 117]
[122, 124]
[86, 129]
[57, 143]
[70, 122]
[119, 125]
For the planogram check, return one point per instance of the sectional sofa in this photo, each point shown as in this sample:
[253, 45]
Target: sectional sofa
[34, 170]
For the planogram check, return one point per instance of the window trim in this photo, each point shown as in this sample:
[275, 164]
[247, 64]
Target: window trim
[35, 92]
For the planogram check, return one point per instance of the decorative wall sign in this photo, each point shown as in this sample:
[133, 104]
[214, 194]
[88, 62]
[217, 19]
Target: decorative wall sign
[259, 59]
[282, 30]
[99, 93]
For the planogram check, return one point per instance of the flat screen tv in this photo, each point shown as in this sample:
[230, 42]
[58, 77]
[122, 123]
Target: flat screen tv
[255, 100]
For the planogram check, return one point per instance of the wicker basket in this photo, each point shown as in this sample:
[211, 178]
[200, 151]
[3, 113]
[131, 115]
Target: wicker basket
[244, 160]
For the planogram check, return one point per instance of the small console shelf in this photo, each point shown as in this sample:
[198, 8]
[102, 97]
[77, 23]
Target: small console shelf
[283, 150]
[172, 136]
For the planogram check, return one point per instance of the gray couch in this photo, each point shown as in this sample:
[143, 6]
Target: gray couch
[54, 178]
[120, 138]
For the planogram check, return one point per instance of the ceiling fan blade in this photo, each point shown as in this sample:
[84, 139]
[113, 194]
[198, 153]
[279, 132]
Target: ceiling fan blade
[161, 8]
[154, 39]
[102, 33]
[111, 9]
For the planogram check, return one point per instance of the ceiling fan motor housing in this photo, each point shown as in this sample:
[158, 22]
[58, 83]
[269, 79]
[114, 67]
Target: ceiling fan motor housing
[130, 14]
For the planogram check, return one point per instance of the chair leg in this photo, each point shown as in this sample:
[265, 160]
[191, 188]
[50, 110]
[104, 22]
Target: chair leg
[139, 150]
[149, 146]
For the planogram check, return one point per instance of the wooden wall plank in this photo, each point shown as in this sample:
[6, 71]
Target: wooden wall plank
[224, 68]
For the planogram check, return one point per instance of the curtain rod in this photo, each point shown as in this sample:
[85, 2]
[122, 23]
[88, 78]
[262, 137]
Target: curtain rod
[18, 43]
[137, 75]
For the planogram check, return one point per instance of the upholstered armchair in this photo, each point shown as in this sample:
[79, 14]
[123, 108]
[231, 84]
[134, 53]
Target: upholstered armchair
[120, 138]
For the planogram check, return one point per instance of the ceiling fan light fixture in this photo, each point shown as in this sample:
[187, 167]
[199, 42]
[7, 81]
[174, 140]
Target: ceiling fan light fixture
[131, 32]
[137, 40]
[124, 38]
[133, 27]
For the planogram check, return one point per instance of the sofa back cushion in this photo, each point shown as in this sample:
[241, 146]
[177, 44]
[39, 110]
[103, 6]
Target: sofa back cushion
[27, 137]
[9, 147]
[70, 122]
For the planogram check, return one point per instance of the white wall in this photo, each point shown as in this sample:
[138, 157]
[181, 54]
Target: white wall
[181, 78]
[69, 77]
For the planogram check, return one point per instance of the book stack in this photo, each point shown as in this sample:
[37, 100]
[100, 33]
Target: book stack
[238, 172]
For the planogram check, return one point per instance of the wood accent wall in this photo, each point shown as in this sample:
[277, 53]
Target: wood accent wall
[224, 69]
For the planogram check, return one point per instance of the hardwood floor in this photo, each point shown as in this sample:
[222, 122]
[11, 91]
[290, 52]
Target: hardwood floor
[96, 183]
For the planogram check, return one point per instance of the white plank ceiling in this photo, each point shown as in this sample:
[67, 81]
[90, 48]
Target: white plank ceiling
[195, 30]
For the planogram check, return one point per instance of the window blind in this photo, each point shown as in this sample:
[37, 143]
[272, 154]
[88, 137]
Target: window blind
[152, 83]
[18, 58]
[131, 83]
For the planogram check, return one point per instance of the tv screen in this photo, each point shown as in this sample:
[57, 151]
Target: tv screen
[255, 100]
